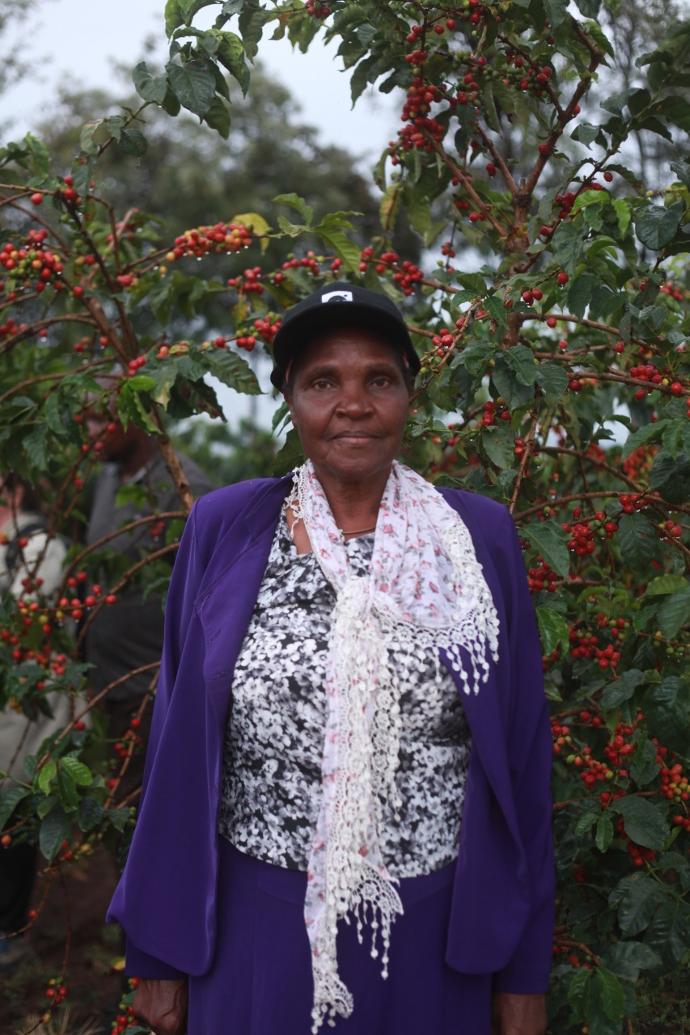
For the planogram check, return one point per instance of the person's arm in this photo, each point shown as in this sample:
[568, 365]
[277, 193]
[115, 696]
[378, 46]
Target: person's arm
[520, 986]
[184, 585]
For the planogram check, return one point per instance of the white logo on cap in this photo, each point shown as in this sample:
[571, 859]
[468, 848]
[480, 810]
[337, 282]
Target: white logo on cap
[337, 296]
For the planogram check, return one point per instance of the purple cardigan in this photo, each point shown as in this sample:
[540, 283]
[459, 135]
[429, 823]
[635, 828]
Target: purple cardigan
[501, 918]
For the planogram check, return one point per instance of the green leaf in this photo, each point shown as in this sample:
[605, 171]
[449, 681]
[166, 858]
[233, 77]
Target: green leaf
[90, 814]
[644, 767]
[621, 690]
[55, 829]
[231, 55]
[667, 709]
[674, 613]
[647, 433]
[521, 360]
[344, 248]
[555, 11]
[665, 584]
[638, 539]
[299, 204]
[133, 142]
[553, 380]
[193, 84]
[636, 897]
[67, 789]
[499, 445]
[174, 15]
[603, 835]
[218, 117]
[580, 292]
[550, 540]
[670, 475]
[627, 959]
[9, 799]
[586, 821]
[656, 226]
[233, 371]
[611, 994]
[150, 87]
[553, 629]
[644, 822]
[80, 773]
[47, 775]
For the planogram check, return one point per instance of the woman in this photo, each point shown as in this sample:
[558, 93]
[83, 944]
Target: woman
[346, 814]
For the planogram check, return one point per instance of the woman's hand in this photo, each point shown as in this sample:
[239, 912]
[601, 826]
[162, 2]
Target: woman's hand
[519, 1014]
[163, 1005]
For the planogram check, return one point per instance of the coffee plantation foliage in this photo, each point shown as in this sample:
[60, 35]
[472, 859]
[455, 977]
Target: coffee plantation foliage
[552, 318]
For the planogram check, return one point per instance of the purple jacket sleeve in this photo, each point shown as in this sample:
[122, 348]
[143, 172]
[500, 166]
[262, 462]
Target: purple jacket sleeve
[184, 583]
[530, 752]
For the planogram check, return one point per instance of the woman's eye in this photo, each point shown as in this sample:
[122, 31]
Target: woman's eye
[382, 381]
[321, 383]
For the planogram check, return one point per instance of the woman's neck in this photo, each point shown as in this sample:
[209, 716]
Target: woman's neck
[355, 504]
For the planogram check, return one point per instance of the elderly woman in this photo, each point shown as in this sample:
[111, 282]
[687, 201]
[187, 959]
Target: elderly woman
[346, 814]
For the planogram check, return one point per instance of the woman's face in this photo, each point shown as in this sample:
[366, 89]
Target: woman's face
[349, 401]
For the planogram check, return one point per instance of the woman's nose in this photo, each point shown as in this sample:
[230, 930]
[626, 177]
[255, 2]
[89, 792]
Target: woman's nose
[354, 399]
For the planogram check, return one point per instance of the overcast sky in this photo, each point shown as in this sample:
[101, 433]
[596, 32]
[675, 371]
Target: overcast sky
[78, 41]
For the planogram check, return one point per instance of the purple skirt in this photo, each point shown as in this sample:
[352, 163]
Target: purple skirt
[260, 980]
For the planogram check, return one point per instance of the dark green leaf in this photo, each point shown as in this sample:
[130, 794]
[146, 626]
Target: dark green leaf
[174, 15]
[627, 959]
[218, 117]
[667, 708]
[499, 445]
[622, 689]
[521, 360]
[9, 799]
[674, 613]
[603, 835]
[553, 380]
[55, 829]
[611, 994]
[193, 84]
[133, 142]
[233, 371]
[580, 292]
[550, 540]
[89, 814]
[644, 766]
[647, 433]
[150, 87]
[553, 629]
[665, 584]
[670, 475]
[644, 822]
[656, 225]
[638, 539]
[231, 54]
[299, 204]
[636, 897]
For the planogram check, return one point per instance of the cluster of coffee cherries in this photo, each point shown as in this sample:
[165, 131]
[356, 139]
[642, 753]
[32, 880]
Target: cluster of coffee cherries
[586, 645]
[673, 291]
[584, 532]
[492, 412]
[639, 461]
[406, 274]
[125, 1017]
[542, 577]
[32, 264]
[219, 239]
[657, 379]
[308, 262]
[267, 327]
[249, 282]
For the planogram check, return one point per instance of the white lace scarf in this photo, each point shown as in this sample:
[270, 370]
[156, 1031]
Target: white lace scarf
[426, 585]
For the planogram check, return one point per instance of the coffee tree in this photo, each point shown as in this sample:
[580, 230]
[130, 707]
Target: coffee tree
[552, 321]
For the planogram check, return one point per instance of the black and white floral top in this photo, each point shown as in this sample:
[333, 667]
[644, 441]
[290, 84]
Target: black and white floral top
[271, 783]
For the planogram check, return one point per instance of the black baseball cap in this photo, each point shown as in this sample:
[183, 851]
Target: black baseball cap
[336, 305]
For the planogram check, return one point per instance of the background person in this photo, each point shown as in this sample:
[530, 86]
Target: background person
[27, 556]
[129, 634]
[350, 725]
